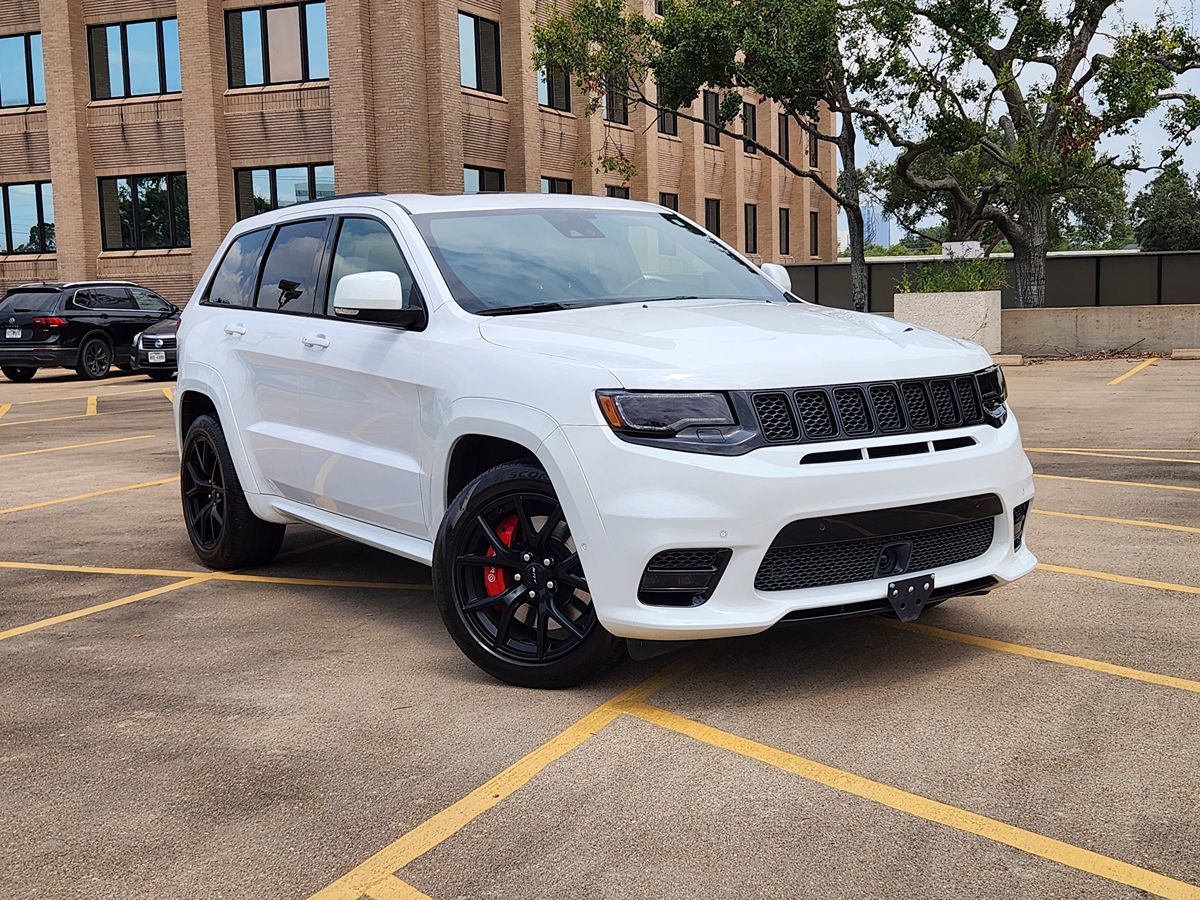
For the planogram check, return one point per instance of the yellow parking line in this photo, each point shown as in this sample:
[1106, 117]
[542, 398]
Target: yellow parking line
[363, 878]
[1140, 484]
[1062, 659]
[140, 437]
[4, 407]
[1121, 579]
[1140, 523]
[118, 412]
[1142, 365]
[922, 807]
[169, 394]
[101, 607]
[88, 496]
[392, 888]
[105, 394]
[91, 405]
[1189, 462]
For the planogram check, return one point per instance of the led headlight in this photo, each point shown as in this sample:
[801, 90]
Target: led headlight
[663, 413]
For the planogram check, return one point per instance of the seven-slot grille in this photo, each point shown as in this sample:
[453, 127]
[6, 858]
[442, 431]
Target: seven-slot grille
[839, 412]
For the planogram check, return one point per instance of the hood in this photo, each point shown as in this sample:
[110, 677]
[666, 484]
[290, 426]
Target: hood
[165, 328]
[735, 345]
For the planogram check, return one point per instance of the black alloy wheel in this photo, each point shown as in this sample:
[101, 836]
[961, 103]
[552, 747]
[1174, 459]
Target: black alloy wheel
[19, 374]
[204, 498]
[95, 359]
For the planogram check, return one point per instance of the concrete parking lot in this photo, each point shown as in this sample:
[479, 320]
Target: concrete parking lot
[309, 728]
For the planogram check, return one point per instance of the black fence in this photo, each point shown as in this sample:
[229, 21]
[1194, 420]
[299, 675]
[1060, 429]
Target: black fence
[1117, 278]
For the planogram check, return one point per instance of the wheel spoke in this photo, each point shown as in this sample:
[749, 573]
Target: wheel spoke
[575, 581]
[542, 619]
[564, 620]
[505, 624]
[502, 550]
[552, 522]
[485, 561]
[510, 597]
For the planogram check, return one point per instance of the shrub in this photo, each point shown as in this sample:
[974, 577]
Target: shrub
[954, 275]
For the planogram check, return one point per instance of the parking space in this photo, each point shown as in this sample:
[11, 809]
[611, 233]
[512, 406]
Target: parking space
[310, 729]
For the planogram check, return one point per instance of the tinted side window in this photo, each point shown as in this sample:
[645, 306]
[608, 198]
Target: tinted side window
[148, 301]
[233, 285]
[289, 280]
[366, 245]
[114, 298]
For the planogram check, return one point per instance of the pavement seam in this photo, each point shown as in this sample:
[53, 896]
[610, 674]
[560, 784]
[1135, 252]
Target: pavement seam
[124, 440]
[41, 504]
[1140, 484]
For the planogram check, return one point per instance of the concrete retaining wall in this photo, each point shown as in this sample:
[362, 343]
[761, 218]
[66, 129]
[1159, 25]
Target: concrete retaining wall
[1057, 332]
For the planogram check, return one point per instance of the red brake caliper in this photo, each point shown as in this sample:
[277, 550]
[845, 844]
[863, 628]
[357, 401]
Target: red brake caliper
[494, 580]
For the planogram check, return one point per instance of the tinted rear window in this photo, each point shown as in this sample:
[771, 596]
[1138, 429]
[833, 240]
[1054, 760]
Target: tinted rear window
[233, 285]
[289, 280]
[33, 301]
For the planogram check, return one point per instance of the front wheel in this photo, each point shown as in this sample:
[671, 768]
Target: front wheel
[510, 586]
[19, 374]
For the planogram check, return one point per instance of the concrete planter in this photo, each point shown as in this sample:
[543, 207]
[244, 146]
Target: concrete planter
[970, 315]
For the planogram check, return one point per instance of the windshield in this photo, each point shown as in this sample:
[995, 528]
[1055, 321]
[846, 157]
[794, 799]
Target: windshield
[497, 260]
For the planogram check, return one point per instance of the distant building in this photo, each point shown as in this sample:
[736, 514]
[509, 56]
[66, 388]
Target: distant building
[877, 226]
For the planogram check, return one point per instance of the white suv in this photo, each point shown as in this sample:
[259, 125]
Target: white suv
[596, 421]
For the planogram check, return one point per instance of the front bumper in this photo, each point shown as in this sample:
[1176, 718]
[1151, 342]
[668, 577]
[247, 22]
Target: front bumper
[142, 360]
[630, 502]
[45, 357]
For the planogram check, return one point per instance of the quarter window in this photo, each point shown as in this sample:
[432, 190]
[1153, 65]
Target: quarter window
[134, 59]
[479, 53]
[262, 190]
[554, 89]
[27, 225]
[233, 285]
[479, 180]
[277, 45]
[145, 212]
[289, 278]
[367, 245]
[22, 76]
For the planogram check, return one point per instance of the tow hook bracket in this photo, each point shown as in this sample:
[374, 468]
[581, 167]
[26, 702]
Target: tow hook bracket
[908, 597]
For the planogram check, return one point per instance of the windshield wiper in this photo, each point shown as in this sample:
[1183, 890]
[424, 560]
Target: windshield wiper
[548, 306]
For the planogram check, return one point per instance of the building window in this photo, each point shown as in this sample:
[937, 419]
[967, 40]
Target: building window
[134, 59]
[658, 7]
[277, 45]
[814, 152]
[814, 234]
[712, 111]
[616, 104]
[22, 78]
[749, 126]
[620, 191]
[670, 201]
[554, 89]
[557, 186]
[668, 122]
[479, 53]
[478, 180]
[785, 231]
[262, 190]
[712, 216]
[144, 212]
[751, 211]
[27, 223]
[784, 139]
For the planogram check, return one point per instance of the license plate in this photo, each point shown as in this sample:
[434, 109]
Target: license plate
[158, 356]
[12, 333]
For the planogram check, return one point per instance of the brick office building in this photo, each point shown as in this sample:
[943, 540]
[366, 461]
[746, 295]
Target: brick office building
[133, 133]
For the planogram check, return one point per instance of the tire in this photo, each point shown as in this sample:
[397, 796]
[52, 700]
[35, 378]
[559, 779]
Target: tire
[19, 374]
[556, 640]
[95, 359]
[160, 375]
[224, 532]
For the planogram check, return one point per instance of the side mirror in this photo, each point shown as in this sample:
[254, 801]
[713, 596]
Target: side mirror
[778, 275]
[375, 297]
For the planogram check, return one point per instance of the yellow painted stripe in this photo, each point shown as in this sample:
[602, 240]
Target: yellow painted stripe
[1139, 484]
[1062, 659]
[923, 807]
[118, 412]
[91, 405]
[391, 888]
[361, 879]
[4, 407]
[169, 394]
[1140, 523]
[101, 607]
[1113, 449]
[124, 440]
[1120, 579]
[88, 496]
[69, 397]
[1171, 459]
[1142, 365]
[215, 576]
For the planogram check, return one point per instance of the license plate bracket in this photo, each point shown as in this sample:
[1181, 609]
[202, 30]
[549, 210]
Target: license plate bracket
[910, 596]
[158, 356]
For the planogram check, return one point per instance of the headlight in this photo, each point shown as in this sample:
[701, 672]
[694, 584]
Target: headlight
[662, 414]
[992, 387]
[137, 340]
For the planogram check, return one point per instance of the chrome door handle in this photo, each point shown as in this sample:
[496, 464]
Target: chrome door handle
[235, 330]
[315, 341]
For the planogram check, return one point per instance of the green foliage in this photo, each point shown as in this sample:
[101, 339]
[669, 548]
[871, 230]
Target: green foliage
[953, 275]
[1166, 214]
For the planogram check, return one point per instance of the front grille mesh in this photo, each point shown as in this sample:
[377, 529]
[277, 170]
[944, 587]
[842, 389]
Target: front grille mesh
[845, 562]
[842, 411]
[685, 559]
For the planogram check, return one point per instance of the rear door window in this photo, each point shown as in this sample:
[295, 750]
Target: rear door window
[233, 285]
[293, 267]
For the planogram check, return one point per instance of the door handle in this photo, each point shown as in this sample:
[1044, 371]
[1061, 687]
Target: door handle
[315, 341]
[235, 330]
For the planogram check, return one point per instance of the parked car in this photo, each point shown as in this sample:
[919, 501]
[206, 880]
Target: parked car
[88, 326]
[599, 424]
[155, 348]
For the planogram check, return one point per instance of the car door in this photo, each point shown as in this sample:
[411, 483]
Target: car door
[118, 315]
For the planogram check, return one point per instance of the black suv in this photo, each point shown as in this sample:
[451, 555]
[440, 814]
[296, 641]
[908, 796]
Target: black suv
[88, 326]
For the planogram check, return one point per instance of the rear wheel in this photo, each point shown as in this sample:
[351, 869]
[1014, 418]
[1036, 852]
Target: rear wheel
[224, 531]
[510, 586]
[19, 374]
[95, 359]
